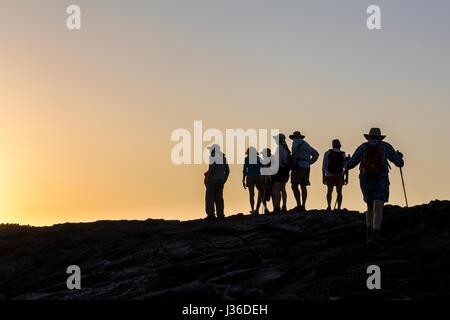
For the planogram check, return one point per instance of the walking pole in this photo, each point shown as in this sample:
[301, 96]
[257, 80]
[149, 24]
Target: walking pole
[404, 189]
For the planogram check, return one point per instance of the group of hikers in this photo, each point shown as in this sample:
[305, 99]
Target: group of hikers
[295, 163]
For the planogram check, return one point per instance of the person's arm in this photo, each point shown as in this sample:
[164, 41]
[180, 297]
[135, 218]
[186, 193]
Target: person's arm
[395, 156]
[355, 159]
[244, 174]
[324, 167]
[211, 169]
[325, 161]
[346, 176]
[294, 147]
[346, 159]
[227, 169]
[285, 154]
[314, 155]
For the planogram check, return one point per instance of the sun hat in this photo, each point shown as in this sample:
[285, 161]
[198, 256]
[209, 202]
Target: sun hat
[296, 135]
[374, 133]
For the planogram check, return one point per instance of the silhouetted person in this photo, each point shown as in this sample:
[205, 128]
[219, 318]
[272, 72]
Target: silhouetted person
[305, 156]
[218, 173]
[333, 171]
[252, 178]
[267, 179]
[280, 179]
[373, 158]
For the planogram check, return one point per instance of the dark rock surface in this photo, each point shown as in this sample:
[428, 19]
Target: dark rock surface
[312, 255]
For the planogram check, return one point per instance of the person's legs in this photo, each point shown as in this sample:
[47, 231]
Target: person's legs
[284, 195]
[369, 214]
[209, 199]
[296, 192]
[276, 195]
[339, 196]
[251, 192]
[378, 215]
[264, 202]
[219, 200]
[377, 220]
[329, 196]
[264, 191]
[304, 195]
[258, 202]
[304, 182]
[369, 221]
[259, 183]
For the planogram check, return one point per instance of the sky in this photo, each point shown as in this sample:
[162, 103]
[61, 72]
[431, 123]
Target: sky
[86, 116]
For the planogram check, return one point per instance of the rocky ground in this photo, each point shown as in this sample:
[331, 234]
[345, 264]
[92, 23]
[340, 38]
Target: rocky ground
[313, 255]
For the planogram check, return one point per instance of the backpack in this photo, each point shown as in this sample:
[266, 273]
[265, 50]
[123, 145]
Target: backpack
[373, 163]
[335, 162]
[292, 159]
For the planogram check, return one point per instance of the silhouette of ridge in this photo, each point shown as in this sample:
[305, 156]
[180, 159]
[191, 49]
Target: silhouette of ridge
[305, 255]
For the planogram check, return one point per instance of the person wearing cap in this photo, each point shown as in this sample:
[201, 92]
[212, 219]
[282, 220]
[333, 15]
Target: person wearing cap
[305, 156]
[280, 179]
[252, 178]
[373, 156]
[217, 176]
[333, 171]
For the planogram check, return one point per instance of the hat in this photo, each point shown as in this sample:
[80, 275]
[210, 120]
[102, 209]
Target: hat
[214, 147]
[374, 133]
[280, 137]
[296, 135]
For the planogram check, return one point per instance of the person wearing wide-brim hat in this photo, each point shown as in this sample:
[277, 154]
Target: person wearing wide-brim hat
[304, 156]
[215, 179]
[373, 156]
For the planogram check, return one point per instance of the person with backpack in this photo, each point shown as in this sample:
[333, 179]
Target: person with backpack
[303, 156]
[333, 172]
[215, 180]
[280, 179]
[373, 156]
[252, 178]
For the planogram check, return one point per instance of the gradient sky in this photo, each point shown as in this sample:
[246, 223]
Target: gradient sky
[86, 116]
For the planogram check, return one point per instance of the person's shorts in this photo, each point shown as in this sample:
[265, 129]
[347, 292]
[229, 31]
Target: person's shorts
[375, 188]
[300, 176]
[282, 175]
[335, 180]
[257, 181]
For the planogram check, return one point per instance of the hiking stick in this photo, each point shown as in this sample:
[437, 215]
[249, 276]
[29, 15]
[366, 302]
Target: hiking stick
[404, 189]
